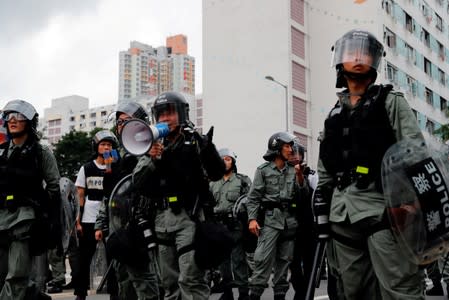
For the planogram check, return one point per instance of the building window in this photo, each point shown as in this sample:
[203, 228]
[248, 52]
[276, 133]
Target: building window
[409, 23]
[441, 51]
[410, 53]
[411, 83]
[430, 126]
[429, 96]
[387, 5]
[441, 77]
[72, 119]
[72, 127]
[443, 104]
[93, 124]
[439, 23]
[103, 113]
[425, 37]
[93, 115]
[390, 38]
[53, 123]
[82, 117]
[392, 74]
[427, 66]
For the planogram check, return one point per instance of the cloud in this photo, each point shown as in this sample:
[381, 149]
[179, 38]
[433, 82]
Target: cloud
[20, 18]
[58, 50]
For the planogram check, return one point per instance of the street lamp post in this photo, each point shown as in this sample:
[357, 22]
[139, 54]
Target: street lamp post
[268, 77]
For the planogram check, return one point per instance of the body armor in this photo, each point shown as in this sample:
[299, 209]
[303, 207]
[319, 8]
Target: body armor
[355, 141]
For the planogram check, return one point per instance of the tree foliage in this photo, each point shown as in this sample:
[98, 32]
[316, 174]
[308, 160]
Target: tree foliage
[71, 152]
[443, 132]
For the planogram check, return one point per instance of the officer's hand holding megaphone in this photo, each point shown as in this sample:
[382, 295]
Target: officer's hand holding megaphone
[139, 138]
[156, 150]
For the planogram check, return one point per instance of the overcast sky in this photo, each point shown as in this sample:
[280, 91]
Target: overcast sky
[55, 48]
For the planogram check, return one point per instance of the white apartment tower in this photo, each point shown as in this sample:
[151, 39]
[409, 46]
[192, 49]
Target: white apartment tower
[148, 71]
[290, 42]
[72, 113]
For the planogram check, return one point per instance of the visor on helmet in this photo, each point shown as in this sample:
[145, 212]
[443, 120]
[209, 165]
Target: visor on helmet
[358, 47]
[22, 107]
[16, 115]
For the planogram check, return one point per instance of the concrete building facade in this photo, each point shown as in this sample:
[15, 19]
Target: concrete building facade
[290, 42]
[72, 113]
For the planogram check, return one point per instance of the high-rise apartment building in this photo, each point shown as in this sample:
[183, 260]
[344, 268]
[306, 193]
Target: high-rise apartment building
[145, 70]
[72, 113]
[289, 41]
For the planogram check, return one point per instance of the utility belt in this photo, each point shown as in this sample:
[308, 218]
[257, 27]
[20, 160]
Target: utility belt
[361, 175]
[12, 202]
[174, 202]
[283, 205]
[228, 219]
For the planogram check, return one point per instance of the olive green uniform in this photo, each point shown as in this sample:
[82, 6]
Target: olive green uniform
[141, 284]
[272, 197]
[379, 267]
[226, 192]
[15, 256]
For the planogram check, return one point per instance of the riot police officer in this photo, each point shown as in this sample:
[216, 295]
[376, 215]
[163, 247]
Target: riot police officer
[134, 282]
[172, 174]
[29, 214]
[226, 191]
[91, 192]
[272, 202]
[364, 123]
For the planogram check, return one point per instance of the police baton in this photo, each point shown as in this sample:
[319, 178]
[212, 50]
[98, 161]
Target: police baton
[105, 277]
[314, 279]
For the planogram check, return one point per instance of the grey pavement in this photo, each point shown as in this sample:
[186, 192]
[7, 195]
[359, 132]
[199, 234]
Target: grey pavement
[320, 294]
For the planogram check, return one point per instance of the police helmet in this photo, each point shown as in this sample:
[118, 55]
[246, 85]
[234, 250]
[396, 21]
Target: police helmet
[103, 135]
[275, 143]
[132, 109]
[171, 101]
[228, 152]
[357, 46]
[25, 108]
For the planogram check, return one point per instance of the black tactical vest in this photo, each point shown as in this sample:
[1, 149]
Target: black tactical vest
[94, 182]
[20, 174]
[355, 141]
[179, 176]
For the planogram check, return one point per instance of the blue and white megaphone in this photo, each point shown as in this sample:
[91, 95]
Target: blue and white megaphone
[137, 136]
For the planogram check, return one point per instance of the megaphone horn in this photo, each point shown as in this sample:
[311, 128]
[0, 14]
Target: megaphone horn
[137, 136]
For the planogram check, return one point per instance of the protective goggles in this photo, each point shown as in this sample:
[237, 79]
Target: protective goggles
[120, 122]
[16, 115]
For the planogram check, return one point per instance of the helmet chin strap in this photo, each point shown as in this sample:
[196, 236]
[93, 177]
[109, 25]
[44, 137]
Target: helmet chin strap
[357, 76]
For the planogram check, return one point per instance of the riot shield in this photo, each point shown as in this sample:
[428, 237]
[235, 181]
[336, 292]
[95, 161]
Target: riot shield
[69, 209]
[120, 204]
[415, 180]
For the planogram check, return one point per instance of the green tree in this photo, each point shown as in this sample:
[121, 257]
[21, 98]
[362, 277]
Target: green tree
[71, 152]
[443, 132]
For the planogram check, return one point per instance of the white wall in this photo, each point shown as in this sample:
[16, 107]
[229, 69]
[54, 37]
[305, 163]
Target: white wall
[243, 41]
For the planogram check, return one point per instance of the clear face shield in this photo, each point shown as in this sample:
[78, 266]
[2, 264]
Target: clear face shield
[158, 110]
[296, 157]
[358, 49]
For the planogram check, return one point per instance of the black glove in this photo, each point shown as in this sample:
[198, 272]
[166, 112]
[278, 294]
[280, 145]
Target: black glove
[204, 140]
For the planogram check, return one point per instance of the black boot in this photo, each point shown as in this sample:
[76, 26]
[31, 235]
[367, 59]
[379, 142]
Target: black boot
[254, 297]
[243, 295]
[279, 297]
[227, 294]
